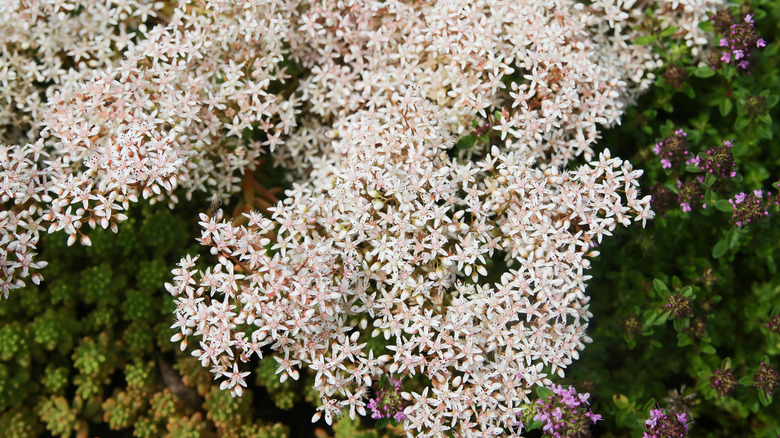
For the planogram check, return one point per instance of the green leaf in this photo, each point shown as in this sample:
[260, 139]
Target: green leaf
[725, 106]
[535, 425]
[709, 180]
[706, 26]
[645, 40]
[708, 349]
[693, 168]
[544, 393]
[649, 405]
[662, 318]
[709, 196]
[732, 237]
[688, 91]
[746, 381]
[704, 72]
[766, 400]
[764, 132]
[772, 100]
[466, 142]
[724, 205]
[668, 31]
[650, 317]
[720, 248]
[660, 287]
[683, 340]
[621, 401]
[687, 292]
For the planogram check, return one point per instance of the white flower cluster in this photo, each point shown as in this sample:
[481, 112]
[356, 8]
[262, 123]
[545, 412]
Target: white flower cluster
[470, 263]
[394, 234]
[141, 98]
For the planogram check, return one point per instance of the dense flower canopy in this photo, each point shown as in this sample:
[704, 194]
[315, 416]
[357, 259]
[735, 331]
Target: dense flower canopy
[468, 257]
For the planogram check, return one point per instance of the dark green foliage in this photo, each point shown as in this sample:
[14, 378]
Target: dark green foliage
[82, 354]
[682, 309]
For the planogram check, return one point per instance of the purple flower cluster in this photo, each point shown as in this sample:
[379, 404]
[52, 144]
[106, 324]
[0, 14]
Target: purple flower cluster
[766, 379]
[388, 402]
[661, 425]
[679, 305]
[739, 42]
[690, 194]
[723, 381]
[565, 414]
[718, 161]
[748, 207]
[662, 199]
[774, 324]
[672, 149]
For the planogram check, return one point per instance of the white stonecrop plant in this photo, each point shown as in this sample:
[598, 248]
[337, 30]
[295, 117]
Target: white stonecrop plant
[387, 224]
[140, 98]
[392, 237]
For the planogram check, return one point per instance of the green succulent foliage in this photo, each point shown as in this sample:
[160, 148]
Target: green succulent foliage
[81, 354]
[691, 297]
[284, 395]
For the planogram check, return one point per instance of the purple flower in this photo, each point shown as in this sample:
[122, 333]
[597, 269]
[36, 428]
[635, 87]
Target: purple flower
[661, 425]
[565, 413]
[388, 402]
[760, 43]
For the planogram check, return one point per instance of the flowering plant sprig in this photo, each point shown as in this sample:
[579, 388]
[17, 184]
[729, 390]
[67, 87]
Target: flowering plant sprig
[739, 39]
[663, 425]
[563, 412]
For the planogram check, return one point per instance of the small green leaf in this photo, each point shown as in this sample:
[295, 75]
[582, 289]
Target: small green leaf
[765, 132]
[704, 72]
[650, 317]
[668, 31]
[720, 248]
[709, 196]
[620, 400]
[660, 287]
[466, 142]
[683, 340]
[535, 425]
[725, 107]
[708, 349]
[688, 91]
[741, 123]
[766, 400]
[706, 26]
[693, 168]
[544, 393]
[662, 318]
[746, 381]
[709, 180]
[733, 237]
[724, 205]
[645, 40]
